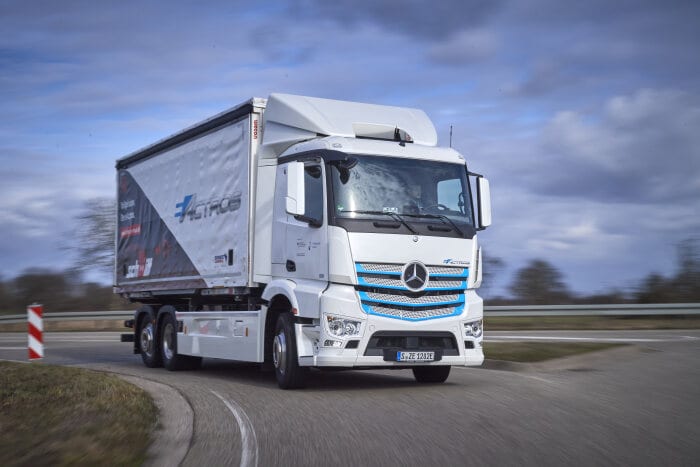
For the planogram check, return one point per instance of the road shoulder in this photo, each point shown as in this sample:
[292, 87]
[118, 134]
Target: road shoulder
[173, 433]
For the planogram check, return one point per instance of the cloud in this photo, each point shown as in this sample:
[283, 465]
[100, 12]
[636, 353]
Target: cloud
[604, 191]
[464, 47]
[583, 115]
[427, 20]
[543, 78]
[643, 149]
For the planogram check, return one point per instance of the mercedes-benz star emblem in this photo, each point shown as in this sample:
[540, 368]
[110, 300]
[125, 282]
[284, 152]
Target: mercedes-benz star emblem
[415, 276]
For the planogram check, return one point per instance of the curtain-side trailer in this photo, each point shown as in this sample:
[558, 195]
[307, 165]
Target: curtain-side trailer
[303, 232]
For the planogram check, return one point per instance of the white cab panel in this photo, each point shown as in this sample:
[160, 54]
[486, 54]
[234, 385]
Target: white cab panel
[399, 249]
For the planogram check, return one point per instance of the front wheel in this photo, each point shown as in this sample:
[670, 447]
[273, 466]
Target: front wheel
[431, 374]
[284, 355]
[168, 348]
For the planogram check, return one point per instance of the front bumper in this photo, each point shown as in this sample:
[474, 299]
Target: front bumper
[367, 350]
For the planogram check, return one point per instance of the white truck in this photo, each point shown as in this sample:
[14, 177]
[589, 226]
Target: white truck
[303, 233]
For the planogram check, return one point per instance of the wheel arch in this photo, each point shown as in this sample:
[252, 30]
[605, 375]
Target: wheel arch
[162, 311]
[143, 312]
[278, 304]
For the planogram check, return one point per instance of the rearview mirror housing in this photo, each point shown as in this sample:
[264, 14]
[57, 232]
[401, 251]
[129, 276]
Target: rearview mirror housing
[483, 193]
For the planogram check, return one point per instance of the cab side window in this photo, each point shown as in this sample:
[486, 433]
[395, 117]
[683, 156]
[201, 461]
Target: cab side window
[313, 194]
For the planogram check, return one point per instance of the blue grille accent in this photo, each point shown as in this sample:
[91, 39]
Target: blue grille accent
[383, 293]
[407, 316]
[364, 298]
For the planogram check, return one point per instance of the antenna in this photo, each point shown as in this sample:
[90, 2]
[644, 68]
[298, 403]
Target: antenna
[450, 135]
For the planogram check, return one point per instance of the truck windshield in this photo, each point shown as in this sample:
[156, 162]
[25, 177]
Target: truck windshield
[402, 190]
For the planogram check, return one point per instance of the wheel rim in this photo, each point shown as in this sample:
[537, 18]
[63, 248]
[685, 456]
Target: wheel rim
[279, 352]
[168, 341]
[147, 339]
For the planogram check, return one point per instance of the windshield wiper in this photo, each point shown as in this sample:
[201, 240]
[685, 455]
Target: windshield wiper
[393, 215]
[442, 217]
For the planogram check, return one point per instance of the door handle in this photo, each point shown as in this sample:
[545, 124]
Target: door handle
[291, 266]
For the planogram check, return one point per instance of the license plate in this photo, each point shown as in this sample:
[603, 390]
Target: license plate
[415, 356]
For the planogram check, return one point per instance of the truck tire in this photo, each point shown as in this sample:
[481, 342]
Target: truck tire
[150, 353]
[284, 355]
[431, 374]
[168, 347]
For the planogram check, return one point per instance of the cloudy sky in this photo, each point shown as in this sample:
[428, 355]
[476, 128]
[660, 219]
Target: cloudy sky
[585, 116]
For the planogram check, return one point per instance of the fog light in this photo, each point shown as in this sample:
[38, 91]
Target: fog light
[473, 328]
[331, 343]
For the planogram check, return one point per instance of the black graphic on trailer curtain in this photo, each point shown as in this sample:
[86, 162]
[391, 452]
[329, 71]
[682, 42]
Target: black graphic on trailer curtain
[146, 249]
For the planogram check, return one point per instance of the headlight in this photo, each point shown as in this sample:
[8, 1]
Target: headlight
[341, 327]
[474, 328]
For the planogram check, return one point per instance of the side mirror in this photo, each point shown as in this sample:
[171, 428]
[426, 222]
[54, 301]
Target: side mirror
[295, 189]
[483, 193]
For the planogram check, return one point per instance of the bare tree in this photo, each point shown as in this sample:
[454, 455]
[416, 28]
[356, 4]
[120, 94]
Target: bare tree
[683, 287]
[95, 236]
[540, 283]
[491, 268]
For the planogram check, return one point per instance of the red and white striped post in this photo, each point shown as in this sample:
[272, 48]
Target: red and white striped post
[36, 329]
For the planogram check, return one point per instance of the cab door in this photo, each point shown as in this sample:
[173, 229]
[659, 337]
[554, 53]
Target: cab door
[300, 243]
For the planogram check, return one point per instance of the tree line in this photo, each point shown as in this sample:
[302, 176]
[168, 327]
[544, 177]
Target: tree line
[540, 283]
[58, 291]
[537, 283]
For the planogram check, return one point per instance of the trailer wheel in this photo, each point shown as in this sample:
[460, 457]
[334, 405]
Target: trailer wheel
[147, 343]
[168, 348]
[284, 355]
[431, 374]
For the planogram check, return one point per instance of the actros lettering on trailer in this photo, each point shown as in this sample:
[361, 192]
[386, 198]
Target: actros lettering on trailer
[192, 209]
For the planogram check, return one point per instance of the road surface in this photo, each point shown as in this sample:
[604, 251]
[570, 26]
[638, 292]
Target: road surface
[632, 406]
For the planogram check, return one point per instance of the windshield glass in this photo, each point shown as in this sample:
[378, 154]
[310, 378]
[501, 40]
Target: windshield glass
[372, 186]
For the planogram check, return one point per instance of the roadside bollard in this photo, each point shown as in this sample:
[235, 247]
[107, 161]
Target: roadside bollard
[36, 329]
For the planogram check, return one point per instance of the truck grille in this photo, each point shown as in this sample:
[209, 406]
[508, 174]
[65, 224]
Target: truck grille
[383, 293]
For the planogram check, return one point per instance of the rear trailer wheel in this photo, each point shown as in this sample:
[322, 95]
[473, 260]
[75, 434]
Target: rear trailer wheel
[284, 355]
[147, 343]
[431, 374]
[168, 348]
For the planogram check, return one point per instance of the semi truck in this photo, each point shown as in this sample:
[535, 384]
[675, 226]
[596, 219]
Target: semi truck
[300, 232]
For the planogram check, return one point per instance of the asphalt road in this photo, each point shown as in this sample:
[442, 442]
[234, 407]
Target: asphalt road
[633, 406]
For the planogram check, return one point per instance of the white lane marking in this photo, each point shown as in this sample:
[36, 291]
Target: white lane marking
[580, 339]
[249, 442]
[81, 340]
[54, 339]
[14, 348]
[61, 340]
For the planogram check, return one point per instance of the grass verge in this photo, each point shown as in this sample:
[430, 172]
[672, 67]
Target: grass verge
[514, 323]
[52, 415]
[540, 351]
